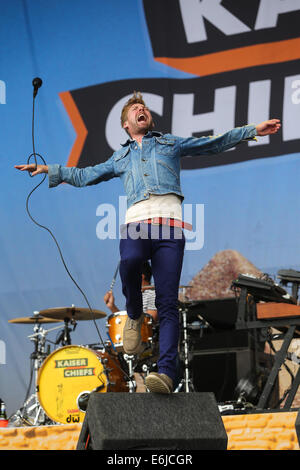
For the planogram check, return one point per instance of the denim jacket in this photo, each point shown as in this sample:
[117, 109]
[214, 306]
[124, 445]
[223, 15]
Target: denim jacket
[152, 169]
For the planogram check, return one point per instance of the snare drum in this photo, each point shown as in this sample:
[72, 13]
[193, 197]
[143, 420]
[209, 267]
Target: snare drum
[71, 370]
[115, 325]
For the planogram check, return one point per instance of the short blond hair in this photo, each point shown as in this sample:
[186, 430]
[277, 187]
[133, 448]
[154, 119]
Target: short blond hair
[136, 98]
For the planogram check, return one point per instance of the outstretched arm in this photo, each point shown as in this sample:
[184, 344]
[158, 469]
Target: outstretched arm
[268, 127]
[73, 175]
[33, 169]
[219, 143]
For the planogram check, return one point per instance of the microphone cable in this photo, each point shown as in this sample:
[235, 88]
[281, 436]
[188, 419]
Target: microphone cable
[37, 83]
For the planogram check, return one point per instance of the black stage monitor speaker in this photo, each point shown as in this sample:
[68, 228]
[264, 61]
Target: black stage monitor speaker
[152, 421]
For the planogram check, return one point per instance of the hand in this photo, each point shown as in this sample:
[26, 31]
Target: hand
[268, 127]
[31, 168]
[110, 301]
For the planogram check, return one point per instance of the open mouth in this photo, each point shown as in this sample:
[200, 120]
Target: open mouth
[141, 118]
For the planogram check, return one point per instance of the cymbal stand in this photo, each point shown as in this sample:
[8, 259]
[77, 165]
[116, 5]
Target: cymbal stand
[38, 355]
[32, 412]
[131, 382]
[65, 338]
[186, 382]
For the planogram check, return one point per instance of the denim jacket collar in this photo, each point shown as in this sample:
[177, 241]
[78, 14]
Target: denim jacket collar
[149, 134]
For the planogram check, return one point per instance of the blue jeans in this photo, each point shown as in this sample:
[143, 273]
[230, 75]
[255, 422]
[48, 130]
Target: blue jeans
[164, 246]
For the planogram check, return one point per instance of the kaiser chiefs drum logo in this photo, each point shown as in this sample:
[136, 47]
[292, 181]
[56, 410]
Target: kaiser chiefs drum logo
[75, 367]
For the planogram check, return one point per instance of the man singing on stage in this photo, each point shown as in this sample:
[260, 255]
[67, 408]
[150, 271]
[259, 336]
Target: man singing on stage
[149, 166]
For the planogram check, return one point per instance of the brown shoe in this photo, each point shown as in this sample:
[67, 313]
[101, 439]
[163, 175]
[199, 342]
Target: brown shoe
[132, 338]
[159, 383]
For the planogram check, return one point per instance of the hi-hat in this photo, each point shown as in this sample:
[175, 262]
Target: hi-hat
[33, 319]
[72, 313]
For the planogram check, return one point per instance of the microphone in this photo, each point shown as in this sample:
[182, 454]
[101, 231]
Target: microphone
[83, 398]
[37, 83]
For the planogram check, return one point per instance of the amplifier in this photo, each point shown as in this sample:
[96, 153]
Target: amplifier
[222, 359]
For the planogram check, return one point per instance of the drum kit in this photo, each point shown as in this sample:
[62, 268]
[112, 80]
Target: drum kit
[65, 377]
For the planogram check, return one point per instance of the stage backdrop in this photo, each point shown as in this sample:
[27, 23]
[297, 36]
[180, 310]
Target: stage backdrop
[203, 67]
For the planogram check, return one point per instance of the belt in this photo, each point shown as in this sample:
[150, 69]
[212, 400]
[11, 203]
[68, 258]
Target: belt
[167, 221]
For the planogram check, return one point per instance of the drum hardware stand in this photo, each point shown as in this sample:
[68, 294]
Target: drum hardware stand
[131, 382]
[31, 408]
[186, 381]
[146, 369]
[65, 338]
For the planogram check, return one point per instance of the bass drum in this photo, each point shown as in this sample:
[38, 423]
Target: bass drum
[69, 372]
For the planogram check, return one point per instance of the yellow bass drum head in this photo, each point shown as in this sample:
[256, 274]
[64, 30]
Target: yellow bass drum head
[63, 376]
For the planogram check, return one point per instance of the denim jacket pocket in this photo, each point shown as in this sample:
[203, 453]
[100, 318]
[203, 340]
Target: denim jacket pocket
[165, 146]
[121, 161]
[129, 183]
[167, 174]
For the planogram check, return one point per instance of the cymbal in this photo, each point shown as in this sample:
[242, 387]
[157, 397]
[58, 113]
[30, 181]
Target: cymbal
[72, 313]
[33, 319]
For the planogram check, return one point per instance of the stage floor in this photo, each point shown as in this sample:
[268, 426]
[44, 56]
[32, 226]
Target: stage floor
[265, 431]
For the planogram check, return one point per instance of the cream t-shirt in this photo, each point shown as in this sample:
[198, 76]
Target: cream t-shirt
[158, 205]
